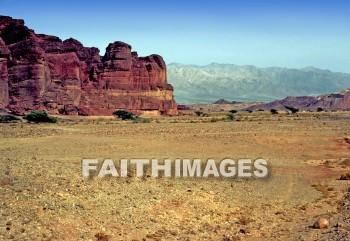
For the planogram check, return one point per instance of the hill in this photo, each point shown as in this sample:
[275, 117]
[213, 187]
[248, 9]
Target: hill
[329, 102]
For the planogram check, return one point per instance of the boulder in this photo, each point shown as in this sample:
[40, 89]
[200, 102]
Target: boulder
[321, 223]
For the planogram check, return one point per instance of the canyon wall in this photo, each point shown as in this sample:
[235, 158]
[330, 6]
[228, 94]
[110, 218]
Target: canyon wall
[43, 72]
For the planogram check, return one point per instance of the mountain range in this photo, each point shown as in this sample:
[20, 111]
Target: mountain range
[206, 84]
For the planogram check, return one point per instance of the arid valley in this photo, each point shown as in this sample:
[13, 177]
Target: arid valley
[174, 120]
[45, 197]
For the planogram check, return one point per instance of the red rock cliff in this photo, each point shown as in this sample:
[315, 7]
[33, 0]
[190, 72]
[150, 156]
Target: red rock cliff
[38, 71]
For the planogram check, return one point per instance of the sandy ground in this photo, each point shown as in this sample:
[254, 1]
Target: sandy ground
[44, 196]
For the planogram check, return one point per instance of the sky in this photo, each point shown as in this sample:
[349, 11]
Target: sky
[265, 33]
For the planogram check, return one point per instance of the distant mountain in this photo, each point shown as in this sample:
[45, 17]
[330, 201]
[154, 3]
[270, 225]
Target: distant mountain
[223, 101]
[337, 101]
[206, 84]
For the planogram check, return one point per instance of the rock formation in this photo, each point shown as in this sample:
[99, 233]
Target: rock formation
[330, 102]
[43, 72]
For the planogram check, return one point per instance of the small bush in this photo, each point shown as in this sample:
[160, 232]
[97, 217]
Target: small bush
[245, 220]
[330, 189]
[274, 111]
[124, 115]
[199, 113]
[38, 116]
[102, 237]
[345, 176]
[230, 117]
[291, 109]
[346, 162]
[137, 119]
[6, 118]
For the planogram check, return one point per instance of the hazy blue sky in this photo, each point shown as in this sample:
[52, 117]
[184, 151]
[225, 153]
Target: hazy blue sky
[265, 33]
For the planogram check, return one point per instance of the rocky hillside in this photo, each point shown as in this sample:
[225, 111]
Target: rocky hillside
[206, 84]
[39, 71]
[329, 102]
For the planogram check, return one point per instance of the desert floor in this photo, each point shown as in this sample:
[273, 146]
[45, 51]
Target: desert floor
[45, 197]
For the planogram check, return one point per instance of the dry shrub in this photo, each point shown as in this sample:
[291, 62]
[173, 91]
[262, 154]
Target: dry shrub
[346, 162]
[345, 176]
[244, 220]
[102, 237]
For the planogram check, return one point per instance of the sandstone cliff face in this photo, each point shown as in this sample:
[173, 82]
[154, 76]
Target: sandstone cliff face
[39, 71]
[4, 90]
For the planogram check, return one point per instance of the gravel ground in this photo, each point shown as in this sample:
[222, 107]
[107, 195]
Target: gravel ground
[45, 197]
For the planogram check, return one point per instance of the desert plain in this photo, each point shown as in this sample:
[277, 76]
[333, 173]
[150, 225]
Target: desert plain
[45, 197]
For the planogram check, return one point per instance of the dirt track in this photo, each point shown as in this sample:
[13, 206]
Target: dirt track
[45, 197]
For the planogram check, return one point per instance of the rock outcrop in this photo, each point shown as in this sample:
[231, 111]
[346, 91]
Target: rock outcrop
[330, 102]
[43, 72]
